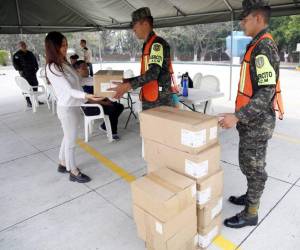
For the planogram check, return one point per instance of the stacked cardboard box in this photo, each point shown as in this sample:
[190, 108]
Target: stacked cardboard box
[187, 143]
[164, 209]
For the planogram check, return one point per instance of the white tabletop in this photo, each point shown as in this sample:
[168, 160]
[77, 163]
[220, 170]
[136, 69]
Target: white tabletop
[198, 96]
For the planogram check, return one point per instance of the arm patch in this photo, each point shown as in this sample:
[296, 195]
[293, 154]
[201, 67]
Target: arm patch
[156, 54]
[265, 71]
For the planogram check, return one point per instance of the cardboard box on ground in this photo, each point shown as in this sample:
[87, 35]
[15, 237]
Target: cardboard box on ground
[103, 80]
[164, 208]
[187, 131]
[207, 235]
[189, 245]
[170, 235]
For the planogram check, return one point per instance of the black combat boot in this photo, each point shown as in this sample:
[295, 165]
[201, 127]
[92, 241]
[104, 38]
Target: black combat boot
[247, 217]
[238, 200]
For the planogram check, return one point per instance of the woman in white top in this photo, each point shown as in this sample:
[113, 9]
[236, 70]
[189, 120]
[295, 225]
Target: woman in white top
[70, 96]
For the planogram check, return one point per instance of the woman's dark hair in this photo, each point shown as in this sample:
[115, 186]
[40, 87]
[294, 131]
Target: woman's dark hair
[78, 64]
[53, 43]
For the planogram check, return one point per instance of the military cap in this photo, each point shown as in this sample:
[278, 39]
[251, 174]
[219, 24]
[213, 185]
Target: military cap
[140, 14]
[252, 5]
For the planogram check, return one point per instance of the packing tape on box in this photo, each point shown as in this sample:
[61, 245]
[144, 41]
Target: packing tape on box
[194, 190]
[147, 223]
[193, 139]
[157, 179]
[213, 133]
[195, 169]
[158, 227]
[203, 196]
[205, 240]
[196, 240]
[182, 198]
[217, 209]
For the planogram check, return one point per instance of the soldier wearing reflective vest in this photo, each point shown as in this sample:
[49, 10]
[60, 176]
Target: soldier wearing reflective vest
[258, 99]
[156, 68]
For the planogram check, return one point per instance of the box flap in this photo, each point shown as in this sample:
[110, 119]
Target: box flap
[109, 73]
[169, 176]
[178, 116]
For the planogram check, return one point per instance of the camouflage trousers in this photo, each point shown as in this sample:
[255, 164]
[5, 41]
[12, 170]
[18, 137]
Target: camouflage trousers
[252, 161]
[164, 100]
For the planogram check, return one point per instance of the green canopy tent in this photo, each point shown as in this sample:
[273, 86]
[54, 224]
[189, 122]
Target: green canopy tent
[41, 16]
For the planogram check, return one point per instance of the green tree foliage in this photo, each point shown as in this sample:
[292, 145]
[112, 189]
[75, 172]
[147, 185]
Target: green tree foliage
[195, 42]
[286, 32]
[3, 57]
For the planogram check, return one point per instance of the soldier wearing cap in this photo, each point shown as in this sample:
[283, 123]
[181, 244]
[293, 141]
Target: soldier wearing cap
[257, 99]
[156, 69]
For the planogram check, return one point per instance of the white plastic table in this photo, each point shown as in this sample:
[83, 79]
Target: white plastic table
[198, 96]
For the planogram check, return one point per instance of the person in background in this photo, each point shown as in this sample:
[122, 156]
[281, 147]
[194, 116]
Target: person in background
[87, 56]
[73, 59]
[25, 62]
[66, 84]
[85, 80]
[257, 99]
[112, 109]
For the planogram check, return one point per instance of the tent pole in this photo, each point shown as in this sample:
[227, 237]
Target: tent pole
[231, 57]
[100, 56]
[19, 19]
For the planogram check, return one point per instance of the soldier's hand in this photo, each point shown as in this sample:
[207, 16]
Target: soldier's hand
[227, 120]
[121, 90]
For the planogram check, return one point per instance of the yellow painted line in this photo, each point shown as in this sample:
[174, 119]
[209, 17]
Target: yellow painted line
[287, 138]
[106, 162]
[220, 241]
[224, 244]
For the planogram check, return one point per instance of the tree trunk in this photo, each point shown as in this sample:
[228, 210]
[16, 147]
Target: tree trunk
[195, 53]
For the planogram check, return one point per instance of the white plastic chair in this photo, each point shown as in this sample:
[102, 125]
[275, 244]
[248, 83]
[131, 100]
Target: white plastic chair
[197, 80]
[50, 94]
[27, 91]
[208, 83]
[51, 97]
[89, 120]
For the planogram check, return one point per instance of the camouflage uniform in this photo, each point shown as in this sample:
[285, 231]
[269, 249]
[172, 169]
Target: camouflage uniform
[158, 69]
[257, 119]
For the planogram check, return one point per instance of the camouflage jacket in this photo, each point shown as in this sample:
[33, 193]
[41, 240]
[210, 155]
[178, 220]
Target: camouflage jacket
[258, 116]
[158, 70]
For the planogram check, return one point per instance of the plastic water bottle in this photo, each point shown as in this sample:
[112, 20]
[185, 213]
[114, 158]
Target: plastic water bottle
[185, 83]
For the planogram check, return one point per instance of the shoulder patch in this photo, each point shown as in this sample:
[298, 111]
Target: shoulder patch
[265, 71]
[156, 47]
[156, 54]
[259, 62]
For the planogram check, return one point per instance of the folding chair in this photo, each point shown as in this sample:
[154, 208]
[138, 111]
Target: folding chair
[208, 83]
[197, 80]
